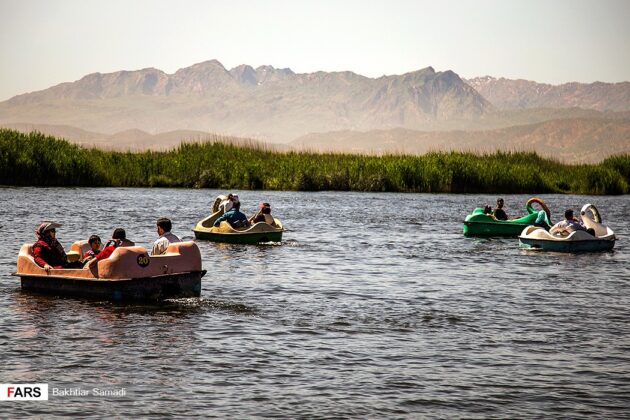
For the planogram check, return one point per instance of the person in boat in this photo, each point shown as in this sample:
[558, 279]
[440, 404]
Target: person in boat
[166, 238]
[234, 217]
[263, 215]
[569, 224]
[47, 251]
[95, 247]
[119, 238]
[499, 213]
[119, 233]
[228, 203]
[487, 209]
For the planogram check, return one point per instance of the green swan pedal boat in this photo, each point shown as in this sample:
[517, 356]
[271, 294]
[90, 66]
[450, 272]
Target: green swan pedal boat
[260, 232]
[480, 224]
[561, 240]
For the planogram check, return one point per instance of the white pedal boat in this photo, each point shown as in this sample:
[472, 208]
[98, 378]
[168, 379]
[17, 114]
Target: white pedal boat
[534, 237]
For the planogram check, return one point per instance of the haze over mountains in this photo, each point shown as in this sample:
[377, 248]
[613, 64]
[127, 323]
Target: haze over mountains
[570, 140]
[519, 94]
[417, 111]
[138, 140]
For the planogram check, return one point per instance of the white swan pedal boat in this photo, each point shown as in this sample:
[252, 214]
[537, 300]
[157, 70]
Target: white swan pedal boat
[534, 237]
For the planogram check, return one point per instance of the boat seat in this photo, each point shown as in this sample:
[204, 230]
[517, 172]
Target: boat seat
[170, 251]
[173, 249]
[27, 251]
[135, 261]
[80, 247]
[26, 260]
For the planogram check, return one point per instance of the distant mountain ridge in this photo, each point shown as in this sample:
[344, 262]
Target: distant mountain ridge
[201, 79]
[514, 94]
[265, 102]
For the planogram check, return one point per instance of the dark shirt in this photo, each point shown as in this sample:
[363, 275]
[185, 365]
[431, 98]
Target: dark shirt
[234, 217]
[500, 214]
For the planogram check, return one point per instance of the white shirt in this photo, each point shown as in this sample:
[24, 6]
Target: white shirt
[567, 225]
[162, 243]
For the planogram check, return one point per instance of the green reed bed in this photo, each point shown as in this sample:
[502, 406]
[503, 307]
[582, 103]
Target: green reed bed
[39, 160]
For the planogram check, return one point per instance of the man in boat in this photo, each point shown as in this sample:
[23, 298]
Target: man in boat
[499, 213]
[166, 238]
[569, 224]
[47, 251]
[234, 217]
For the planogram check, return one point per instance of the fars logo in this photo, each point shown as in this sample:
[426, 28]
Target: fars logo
[10, 392]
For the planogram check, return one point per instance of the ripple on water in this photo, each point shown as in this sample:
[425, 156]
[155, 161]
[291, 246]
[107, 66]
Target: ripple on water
[358, 316]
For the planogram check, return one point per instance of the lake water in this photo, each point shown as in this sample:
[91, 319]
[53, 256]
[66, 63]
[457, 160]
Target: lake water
[375, 306]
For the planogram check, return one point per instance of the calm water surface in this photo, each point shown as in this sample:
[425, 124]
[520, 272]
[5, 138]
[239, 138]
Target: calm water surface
[374, 306]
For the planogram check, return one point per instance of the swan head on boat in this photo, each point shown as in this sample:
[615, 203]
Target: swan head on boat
[597, 218]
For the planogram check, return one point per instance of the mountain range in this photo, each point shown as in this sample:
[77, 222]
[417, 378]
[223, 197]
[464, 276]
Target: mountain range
[519, 94]
[419, 110]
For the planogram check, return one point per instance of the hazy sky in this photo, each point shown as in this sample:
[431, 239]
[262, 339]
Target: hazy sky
[46, 42]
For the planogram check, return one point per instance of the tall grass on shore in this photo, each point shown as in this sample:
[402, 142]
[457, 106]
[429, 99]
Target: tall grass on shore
[38, 160]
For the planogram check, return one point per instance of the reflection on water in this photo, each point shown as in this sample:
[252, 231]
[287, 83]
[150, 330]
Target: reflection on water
[375, 305]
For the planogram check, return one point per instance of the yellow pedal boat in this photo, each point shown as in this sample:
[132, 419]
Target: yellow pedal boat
[260, 232]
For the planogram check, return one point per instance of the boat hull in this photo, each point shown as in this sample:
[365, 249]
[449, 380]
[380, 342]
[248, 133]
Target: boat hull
[493, 228]
[534, 237]
[567, 246]
[156, 288]
[239, 238]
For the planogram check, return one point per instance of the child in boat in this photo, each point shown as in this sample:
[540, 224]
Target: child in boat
[95, 246]
[119, 238]
[263, 215]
